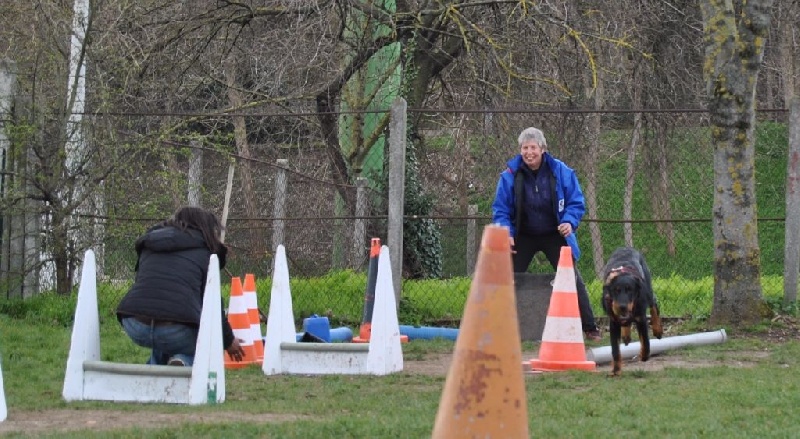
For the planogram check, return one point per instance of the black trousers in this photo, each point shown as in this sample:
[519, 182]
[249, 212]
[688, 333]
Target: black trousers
[526, 246]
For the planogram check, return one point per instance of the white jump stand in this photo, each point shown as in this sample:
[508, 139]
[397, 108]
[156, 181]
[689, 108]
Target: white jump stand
[3, 407]
[284, 355]
[88, 378]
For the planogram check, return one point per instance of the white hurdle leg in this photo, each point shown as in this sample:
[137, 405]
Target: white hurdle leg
[85, 344]
[3, 408]
[280, 321]
[208, 370]
[385, 352]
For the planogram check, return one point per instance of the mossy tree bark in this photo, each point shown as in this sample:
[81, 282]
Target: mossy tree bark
[735, 34]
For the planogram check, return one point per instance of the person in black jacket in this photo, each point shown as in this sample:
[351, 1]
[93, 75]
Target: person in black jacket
[162, 309]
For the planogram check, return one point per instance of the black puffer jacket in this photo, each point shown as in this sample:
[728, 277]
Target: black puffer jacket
[171, 277]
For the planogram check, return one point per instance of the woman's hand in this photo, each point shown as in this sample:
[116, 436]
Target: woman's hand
[235, 350]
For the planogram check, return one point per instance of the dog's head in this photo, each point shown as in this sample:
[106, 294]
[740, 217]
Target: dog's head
[621, 290]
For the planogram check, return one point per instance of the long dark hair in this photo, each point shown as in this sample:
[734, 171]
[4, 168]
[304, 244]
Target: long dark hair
[190, 217]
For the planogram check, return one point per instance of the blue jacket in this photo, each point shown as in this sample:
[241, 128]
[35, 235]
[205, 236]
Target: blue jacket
[569, 206]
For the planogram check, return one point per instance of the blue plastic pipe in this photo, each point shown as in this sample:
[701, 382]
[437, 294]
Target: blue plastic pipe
[344, 334]
[428, 332]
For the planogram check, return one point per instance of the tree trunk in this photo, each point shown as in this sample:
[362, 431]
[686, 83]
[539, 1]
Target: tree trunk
[788, 49]
[657, 159]
[734, 51]
[630, 178]
[257, 242]
[595, 127]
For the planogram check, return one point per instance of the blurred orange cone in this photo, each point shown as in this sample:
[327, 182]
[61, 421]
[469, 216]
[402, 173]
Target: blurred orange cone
[562, 345]
[251, 298]
[240, 323]
[365, 330]
[484, 393]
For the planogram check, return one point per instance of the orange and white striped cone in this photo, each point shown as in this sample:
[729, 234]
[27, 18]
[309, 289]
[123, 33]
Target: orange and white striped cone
[562, 346]
[239, 320]
[251, 298]
[484, 393]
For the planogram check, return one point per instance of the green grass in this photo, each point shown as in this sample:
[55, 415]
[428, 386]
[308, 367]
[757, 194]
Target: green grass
[716, 401]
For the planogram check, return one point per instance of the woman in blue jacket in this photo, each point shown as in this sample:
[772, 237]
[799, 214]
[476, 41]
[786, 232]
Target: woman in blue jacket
[162, 309]
[540, 200]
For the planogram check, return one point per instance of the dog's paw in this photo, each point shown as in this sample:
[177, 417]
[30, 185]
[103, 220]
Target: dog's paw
[657, 326]
[616, 370]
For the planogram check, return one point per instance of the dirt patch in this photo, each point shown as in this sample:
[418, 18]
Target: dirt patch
[50, 421]
[439, 364]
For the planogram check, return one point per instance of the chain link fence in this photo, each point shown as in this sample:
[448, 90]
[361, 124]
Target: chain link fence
[647, 176]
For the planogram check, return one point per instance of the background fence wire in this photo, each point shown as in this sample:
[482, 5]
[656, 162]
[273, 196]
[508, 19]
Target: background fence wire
[459, 160]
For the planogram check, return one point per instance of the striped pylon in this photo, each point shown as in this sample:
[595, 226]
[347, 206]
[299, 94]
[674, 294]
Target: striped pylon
[251, 298]
[562, 345]
[239, 320]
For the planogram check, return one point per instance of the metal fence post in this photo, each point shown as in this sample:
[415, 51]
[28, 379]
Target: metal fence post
[279, 205]
[397, 187]
[791, 250]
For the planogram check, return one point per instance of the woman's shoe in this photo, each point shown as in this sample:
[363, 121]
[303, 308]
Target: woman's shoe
[175, 361]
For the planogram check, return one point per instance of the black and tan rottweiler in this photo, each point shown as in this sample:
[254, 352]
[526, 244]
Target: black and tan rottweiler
[627, 296]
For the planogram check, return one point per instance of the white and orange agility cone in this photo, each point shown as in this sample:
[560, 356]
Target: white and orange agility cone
[484, 393]
[562, 345]
[251, 298]
[239, 320]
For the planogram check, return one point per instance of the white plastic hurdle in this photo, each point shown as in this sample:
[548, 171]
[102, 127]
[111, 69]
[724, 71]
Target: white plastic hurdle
[3, 407]
[88, 378]
[284, 355]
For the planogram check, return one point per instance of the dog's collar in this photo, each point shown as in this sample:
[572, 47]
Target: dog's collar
[622, 269]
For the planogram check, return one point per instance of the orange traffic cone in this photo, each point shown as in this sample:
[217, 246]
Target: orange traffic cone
[562, 345]
[484, 393]
[365, 331]
[251, 298]
[369, 297]
[240, 323]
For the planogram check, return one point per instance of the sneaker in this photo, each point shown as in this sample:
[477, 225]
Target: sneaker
[175, 361]
[593, 335]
